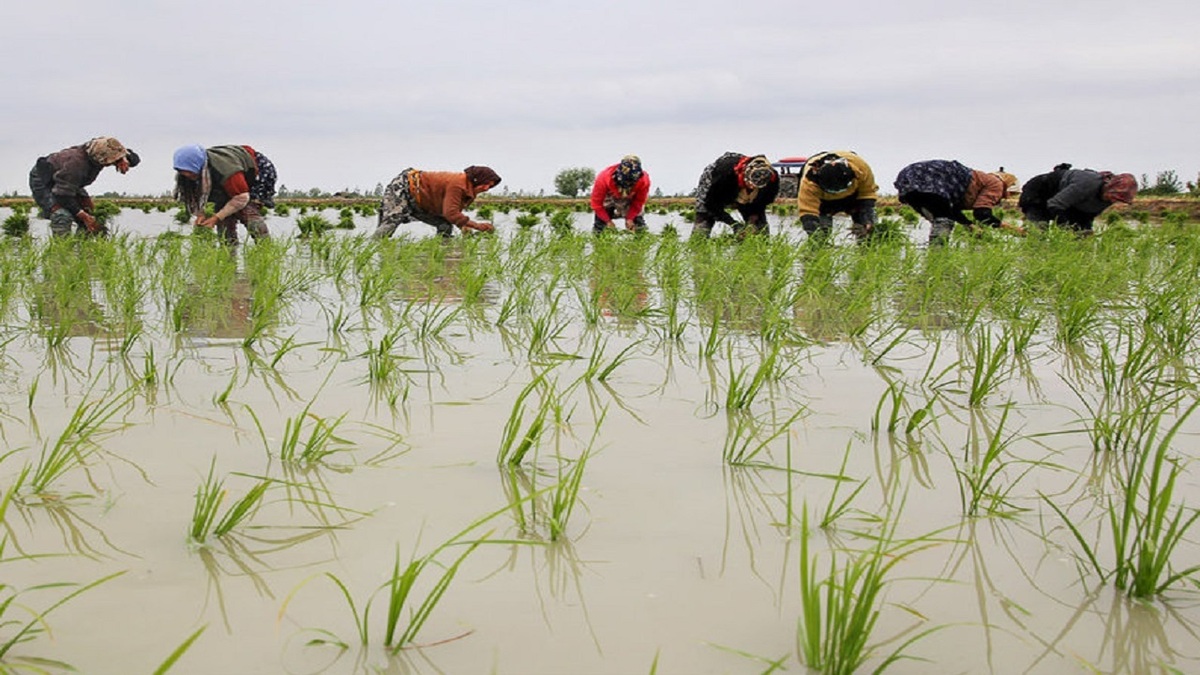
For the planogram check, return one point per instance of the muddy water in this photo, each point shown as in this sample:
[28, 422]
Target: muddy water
[671, 555]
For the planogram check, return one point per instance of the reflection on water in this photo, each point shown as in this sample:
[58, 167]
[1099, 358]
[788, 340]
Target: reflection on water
[77, 534]
[218, 311]
[63, 303]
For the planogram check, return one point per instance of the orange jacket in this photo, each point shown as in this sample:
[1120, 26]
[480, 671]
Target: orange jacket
[445, 194]
[984, 191]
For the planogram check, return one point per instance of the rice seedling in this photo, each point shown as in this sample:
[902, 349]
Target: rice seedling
[895, 396]
[990, 367]
[399, 592]
[319, 444]
[1133, 383]
[16, 224]
[743, 386]
[564, 496]
[1172, 318]
[91, 421]
[982, 488]
[104, 211]
[562, 221]
[383, 364]
[839, 612]
[598, 368]
[742, 444]
[313, 224]
[1144, 524]
[836, 509]
[208, 498]
[516, 443]
[179, 651]
[546, 328]
[435, 317]
[29, 629]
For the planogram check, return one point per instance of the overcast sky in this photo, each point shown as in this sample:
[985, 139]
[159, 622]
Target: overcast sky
[347, 94]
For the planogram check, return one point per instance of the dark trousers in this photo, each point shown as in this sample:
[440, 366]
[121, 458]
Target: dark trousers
[598, 226]
[1080, 221]
[754, 222]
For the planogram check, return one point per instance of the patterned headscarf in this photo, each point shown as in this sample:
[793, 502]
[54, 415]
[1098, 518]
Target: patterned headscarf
[628, 172]
[105, 150]
[757, 173]
[1121, 187]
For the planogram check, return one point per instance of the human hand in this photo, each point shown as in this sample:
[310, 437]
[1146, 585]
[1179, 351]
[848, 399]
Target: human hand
[206, 221]
[484, 227]
[88, 220]
[1015, 229]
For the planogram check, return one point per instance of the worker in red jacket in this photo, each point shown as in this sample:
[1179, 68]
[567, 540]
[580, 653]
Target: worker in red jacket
[620, 191]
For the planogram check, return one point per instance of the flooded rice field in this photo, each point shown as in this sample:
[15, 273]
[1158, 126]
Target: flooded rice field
[549, 452]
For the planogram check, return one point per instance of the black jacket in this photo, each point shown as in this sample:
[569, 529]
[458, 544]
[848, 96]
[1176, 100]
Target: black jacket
[66, 173]
[721, 190]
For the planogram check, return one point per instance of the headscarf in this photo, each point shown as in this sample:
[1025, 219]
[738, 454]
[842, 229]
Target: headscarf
[190, 158]
[1121, 187]
[193, 193]
[628, 172]
[1008, 179]
[105, 150]
[834, 175]
[757, 172]
[481, 175]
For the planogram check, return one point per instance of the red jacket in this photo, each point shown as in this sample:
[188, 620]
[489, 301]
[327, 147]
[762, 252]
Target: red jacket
[605, 187]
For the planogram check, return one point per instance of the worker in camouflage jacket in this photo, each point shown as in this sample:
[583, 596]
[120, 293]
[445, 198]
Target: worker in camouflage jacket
[746, 182]
[435, 198]
[832, 183]
[58, 182]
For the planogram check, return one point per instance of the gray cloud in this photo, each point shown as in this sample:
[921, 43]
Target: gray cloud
[348, 95]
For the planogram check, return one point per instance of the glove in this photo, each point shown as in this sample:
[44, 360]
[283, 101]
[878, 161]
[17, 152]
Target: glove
[810, 223]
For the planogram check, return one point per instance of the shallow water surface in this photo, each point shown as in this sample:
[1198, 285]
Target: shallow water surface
[673, 555]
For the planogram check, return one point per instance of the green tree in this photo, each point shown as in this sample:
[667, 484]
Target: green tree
[570, 182]
[1165, 183]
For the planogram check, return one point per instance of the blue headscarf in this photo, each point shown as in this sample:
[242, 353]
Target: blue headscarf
[190, 158]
